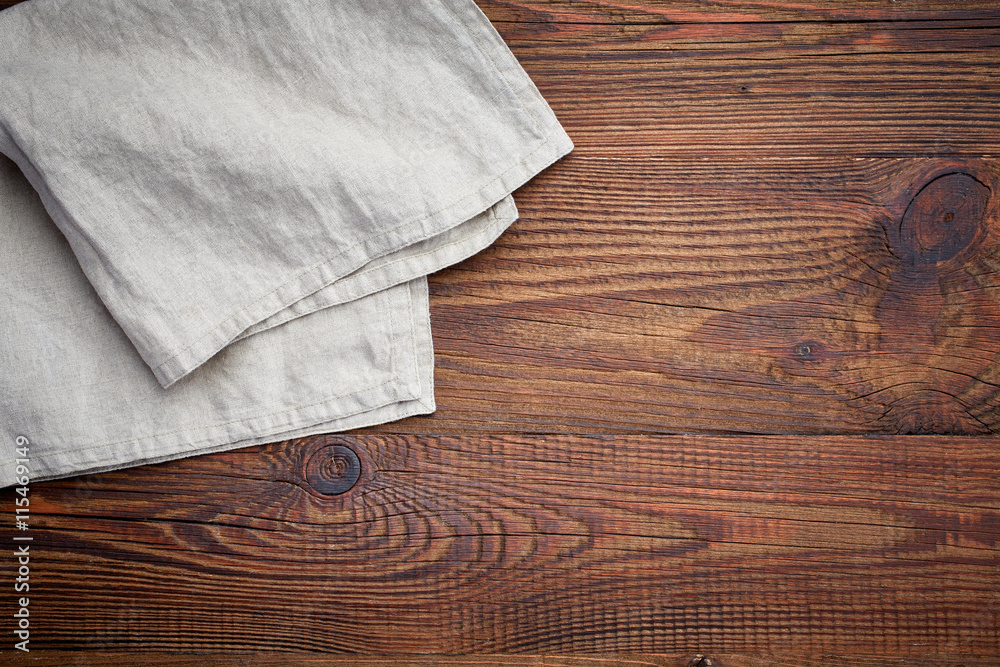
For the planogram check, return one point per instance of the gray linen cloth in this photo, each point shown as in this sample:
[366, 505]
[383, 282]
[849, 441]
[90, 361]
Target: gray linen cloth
[217, 217]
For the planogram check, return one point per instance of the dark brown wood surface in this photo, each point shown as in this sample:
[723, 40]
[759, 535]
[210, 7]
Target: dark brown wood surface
[758, 296]
[727, 393]
[590, 660]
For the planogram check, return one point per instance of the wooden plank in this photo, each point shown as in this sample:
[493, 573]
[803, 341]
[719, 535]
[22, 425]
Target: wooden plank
[730, 11]
[774, 296]
[294, 659]
[532, 544]
[790, 89]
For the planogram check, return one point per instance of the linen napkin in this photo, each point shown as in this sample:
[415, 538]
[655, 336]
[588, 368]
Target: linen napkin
[228, 209]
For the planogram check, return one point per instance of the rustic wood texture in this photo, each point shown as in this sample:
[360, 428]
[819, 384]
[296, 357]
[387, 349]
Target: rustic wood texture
[619, 660]
[766, 296]
[726, 394]
[696, 90]
[731, 11]
[564, 544]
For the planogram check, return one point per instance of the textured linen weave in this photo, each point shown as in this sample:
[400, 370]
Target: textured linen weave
[217, 217]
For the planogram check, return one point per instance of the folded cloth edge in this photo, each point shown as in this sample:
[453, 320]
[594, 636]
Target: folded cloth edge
[174, 358]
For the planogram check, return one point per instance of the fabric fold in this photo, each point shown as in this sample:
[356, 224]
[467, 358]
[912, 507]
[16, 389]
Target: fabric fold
[213, 163]
[222, 214]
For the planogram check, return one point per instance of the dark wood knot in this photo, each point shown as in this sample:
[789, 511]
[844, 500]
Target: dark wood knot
[944, 218]
[704, 661]
[333, 470]
[808, 350]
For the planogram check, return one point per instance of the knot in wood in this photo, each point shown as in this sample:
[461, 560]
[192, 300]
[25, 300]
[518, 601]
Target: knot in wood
[333, 470]
[704, 661]
[944, 218]
[808, 350]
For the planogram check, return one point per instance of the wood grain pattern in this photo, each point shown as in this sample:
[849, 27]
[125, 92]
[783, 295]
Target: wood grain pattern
[731, 11]
[295, 659]
[768, 296]
[564, 544]
[792, 89]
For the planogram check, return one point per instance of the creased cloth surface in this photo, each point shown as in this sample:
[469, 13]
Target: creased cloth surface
[217, 217]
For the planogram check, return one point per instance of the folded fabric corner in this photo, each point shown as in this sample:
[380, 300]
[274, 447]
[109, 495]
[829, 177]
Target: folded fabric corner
[220, 216]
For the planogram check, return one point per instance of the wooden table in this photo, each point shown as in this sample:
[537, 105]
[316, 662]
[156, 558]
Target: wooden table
[726, 394]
